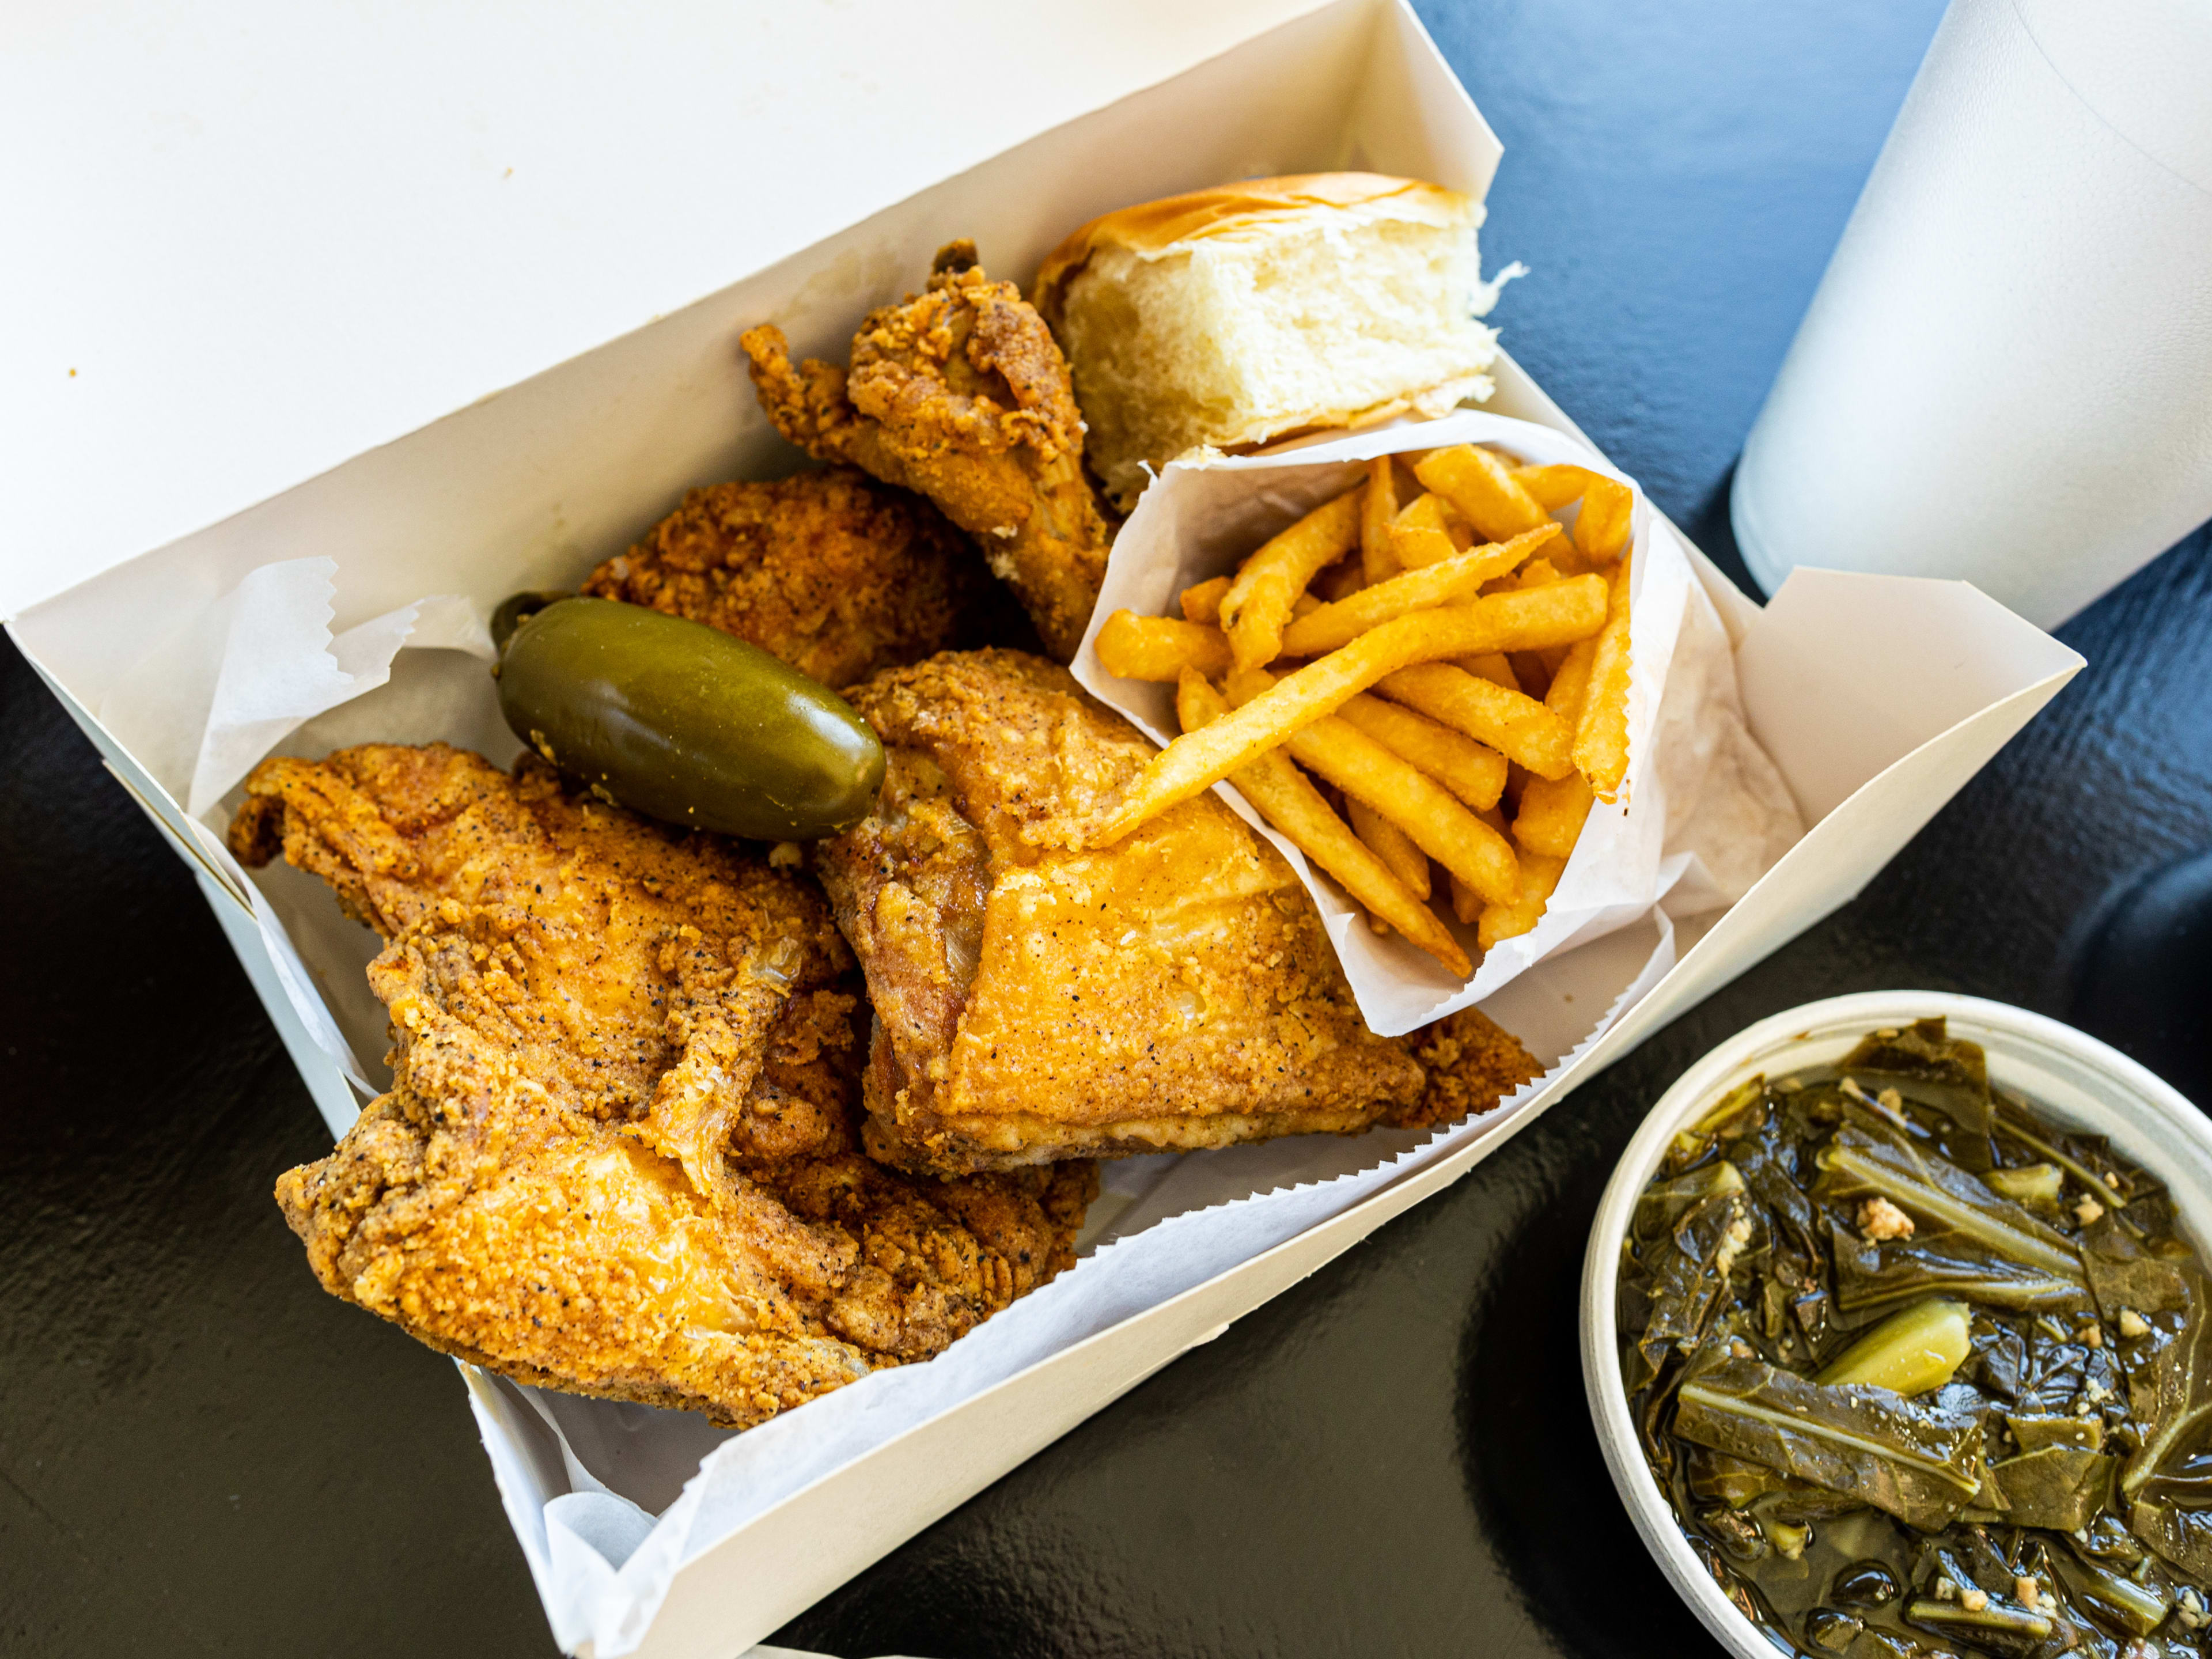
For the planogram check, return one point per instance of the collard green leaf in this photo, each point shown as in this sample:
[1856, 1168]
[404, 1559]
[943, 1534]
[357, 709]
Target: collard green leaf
[1767, 1162]
[1923, 1049]
[1966, 1556]
[2112, 1596]
[1718, 1478]
[2124, 1274]
[2181, 1536]
[1872, 1278]
[1930, 1070]
[2061, 1487]
[2086, 1157]
[2000, 1356]
[2035, 1430]
[2004, 1628]
[2106, 1538]
[1867, 1157]
[1689, 1271]
[1662, 1205]
[2169, 1390]
[1731, 1116]
[1912, 1462]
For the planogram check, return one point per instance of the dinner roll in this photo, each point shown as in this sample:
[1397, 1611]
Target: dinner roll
[1232, 316]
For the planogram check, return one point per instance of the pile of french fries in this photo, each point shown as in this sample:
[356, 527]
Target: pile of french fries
[1453, 671]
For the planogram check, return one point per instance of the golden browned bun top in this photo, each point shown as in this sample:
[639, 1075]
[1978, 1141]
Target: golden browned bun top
[1247, 205]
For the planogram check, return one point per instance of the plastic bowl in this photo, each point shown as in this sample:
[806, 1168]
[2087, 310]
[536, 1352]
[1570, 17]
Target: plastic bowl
[2074, 1078]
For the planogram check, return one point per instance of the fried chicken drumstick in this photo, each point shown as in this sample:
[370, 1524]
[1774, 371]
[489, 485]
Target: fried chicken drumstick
[960, 394]
[619, 1155]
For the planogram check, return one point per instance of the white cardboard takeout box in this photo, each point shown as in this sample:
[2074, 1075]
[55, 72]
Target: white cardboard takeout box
[1876, 698]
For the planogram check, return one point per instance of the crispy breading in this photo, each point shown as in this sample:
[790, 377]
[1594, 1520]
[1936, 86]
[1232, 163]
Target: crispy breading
[835, 574]
[960, 393]
[620, 1152]
[1037, 1001]
[1472, 1063]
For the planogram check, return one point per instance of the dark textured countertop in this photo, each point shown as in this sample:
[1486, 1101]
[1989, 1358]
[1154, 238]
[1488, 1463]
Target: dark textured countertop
[200, 1452]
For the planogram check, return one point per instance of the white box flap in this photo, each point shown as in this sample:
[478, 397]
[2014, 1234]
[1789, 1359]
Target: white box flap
[279, 242]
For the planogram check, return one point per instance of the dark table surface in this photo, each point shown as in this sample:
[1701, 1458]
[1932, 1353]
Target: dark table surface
[201, 1452]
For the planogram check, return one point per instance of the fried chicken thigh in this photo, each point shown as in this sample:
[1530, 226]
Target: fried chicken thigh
[620, 1154]
[961, 394]
[834, 572]
[1036, 1002]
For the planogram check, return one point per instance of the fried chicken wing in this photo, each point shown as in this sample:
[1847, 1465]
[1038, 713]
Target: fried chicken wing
[960, 394]
[1034, 1000]
[834, 572]
[620, 1154]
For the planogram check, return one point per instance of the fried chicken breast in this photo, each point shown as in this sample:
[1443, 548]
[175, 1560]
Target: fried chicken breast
[620, 1154]
[834, 572]
[1036, 1002]
[960, 394]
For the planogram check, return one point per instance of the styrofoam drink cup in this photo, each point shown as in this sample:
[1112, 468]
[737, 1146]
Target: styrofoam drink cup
[2006, 374]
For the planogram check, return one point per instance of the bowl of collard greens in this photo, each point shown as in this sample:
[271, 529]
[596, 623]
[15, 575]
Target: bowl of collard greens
[1896, 1332]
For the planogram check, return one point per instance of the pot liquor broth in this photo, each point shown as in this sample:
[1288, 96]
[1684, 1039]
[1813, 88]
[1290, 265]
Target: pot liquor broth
[1922, 1373]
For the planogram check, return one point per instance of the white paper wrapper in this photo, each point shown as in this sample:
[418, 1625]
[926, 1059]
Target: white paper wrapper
[1705, 814]
[232, 681]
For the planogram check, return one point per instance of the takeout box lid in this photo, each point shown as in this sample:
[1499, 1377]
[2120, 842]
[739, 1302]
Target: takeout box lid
[441, 211]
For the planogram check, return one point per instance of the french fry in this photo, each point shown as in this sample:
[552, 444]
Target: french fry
[1552, 814]
[1377, 509]
[1564, 697]
[1493, 667]
[1422, 589]
[1424, 532]
[1448, 832]
[1467, 905]
[1601, 527]
[1602, 728]
[1202, 603]
[1304, 605]
[1134, 648]
[1392, 845]
[1536, 572]
[1554, 487]
[1339, 581]
[1478, 487]
[1539, 876]
[1473, 771]
[1260, 596]
[1515, 725]
[1279, 793]
[1557, 614]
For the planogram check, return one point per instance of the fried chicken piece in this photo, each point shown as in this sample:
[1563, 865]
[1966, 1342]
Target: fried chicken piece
[830, 571]
[1037, 1001]
[960, 394]
[1472, 1062]
[620, 1154]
